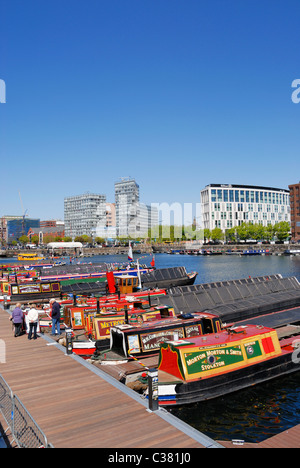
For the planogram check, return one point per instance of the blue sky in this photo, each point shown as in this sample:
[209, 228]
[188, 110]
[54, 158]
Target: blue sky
[177, 94]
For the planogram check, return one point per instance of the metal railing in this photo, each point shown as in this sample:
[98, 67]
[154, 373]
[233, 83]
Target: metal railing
[24, 430]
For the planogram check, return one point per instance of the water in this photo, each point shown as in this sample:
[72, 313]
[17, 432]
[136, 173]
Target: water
[253, 414]
[2, 443]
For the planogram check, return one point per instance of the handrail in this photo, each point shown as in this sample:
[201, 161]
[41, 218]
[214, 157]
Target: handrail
[25, 431]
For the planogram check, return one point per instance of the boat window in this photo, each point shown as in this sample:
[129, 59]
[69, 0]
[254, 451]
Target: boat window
[117, 342]
[207, 326]
[164, 312]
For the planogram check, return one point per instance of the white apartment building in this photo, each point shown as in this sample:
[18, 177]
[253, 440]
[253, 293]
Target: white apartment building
[133, 218]
[227, 206]
[84, 214]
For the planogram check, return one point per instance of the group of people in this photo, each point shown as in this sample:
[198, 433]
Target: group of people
[17, 317]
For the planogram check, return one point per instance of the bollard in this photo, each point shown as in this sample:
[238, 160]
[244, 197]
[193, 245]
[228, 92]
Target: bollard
[5, 303]
[153, 389]
[69, 342]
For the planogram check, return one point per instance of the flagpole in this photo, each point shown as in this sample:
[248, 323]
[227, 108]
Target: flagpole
[139, 274]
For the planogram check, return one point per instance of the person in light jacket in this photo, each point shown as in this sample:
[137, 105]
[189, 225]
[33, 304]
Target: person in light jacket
[33, 317]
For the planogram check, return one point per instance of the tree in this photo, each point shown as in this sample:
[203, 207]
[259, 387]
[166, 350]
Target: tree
[35, 240]
[24, 240]
[217, 234]
[100, 240]
[243, 232]
[206, 234]
[282, 230]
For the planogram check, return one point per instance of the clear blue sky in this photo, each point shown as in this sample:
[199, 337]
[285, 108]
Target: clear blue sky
[177, 94]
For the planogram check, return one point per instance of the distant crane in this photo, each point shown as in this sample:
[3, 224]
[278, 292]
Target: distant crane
[23, 216]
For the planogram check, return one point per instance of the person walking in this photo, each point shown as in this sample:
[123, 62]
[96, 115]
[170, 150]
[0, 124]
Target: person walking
[55, 315]
[17, 319]
[33, 318]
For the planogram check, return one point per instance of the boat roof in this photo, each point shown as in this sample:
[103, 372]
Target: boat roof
[224, 337]
[163, 323]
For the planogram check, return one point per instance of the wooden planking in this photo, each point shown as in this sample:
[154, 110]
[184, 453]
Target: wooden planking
[75, 407]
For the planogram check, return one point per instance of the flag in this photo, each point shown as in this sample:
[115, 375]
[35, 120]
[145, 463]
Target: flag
[153, 262]
[130, 256]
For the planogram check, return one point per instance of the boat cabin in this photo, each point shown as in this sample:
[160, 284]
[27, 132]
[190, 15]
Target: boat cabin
[103, 324]
[145, 338]
[215, 354]
[99, 323]
[127, 284]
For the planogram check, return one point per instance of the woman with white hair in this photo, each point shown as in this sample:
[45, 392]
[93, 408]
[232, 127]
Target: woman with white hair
[33, 318]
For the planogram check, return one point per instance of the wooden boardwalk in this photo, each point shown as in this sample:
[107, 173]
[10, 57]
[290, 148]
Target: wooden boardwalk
[76, 408]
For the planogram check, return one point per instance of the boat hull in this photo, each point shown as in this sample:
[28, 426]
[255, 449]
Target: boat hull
[177, 394]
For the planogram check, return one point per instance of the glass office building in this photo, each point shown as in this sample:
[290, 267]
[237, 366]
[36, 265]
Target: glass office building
[16, 228]
[227, 206]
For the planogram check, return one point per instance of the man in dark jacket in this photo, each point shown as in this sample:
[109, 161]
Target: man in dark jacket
[17, 319]
[55, 315]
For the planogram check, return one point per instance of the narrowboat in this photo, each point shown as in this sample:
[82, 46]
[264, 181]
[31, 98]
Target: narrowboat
[210, 366]
[142, 340]
[95, 328]
[27, 292]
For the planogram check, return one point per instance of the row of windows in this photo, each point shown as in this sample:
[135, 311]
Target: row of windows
[246, 216]
[229, 224]
[251, 207]
[249, 196]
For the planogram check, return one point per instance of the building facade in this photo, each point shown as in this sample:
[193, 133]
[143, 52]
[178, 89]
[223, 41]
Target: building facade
[127, 197]
[19, 227]
[84, 214]
[133, 218]
[228, 206]
[295, 211]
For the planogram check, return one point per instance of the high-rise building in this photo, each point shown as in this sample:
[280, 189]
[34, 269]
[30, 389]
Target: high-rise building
[295, 211]
[84, 214]
[127, 197]
[227, 206]
[133, 219]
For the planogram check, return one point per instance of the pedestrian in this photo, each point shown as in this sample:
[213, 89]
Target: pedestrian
[33, 318]
[17, 319]
[55, 315]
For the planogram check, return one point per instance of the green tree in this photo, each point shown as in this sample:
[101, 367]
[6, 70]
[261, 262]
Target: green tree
[217, 234]
[282, 230]
[24, 240]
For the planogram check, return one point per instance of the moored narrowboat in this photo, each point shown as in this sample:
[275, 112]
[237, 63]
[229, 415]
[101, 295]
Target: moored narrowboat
[142, 340]
[96, 327]
[211, 366]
